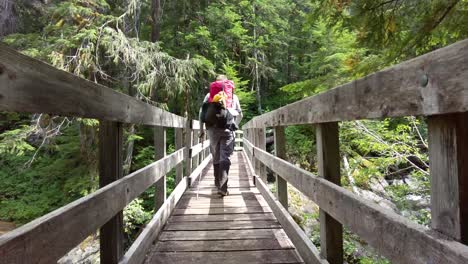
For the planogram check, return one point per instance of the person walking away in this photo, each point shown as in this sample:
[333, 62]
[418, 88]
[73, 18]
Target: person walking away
[221, 134]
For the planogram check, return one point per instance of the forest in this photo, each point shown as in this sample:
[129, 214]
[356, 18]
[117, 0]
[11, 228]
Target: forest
[167, 52]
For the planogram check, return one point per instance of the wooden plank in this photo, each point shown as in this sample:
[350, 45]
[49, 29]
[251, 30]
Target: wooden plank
[137, 252]
[328, 156]
[223, 234]
[231, 257]
[188, 144]
[392, 92]
[240, 203]
[179, 143]
[303, 244]
[198, 170]
[233, 192]
[404, 241]
[199, 147]
[110, 170]
[223, 225]
[223, 245]
[222, 217]
[448, 155]
[159, 153]
[204, 211]
[280, 152]
[81, 218]
[29, 85]
[260, 143]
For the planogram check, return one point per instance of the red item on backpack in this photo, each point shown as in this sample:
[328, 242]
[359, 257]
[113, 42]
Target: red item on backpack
[217, 86]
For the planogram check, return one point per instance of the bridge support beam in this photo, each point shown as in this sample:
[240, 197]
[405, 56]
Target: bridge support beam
[260, 142]
[188, 146]
[110, 170]
[448, 155]
[328, 154]
[159, 153]
[179, 143]
[280, 151]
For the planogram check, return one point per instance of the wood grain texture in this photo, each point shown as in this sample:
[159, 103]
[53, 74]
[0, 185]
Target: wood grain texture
[222, 217]
[328, 157]
[37, 240]
[301, 241]
[448, 155]
[159, 153]
[280, 152]
[221, 225]
[392, 92]
[179, 143]
[232, 257]
[223, 245]
[398, 239]
[137, 252]
[110, 170]
[29, 85]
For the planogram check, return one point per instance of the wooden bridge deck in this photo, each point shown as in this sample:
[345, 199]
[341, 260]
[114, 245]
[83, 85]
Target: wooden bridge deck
[239, 228]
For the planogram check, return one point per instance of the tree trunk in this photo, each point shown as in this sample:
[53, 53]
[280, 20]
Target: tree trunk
[156, 17]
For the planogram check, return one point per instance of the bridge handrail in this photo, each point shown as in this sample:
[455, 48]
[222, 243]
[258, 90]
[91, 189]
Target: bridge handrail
[29, 85]
[434, 85]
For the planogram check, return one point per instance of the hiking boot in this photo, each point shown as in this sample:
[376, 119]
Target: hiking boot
[223, 193]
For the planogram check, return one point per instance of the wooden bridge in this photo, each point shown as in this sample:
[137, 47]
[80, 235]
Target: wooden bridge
[251, 225]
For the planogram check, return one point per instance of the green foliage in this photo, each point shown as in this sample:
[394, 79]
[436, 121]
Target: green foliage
[57, 177]
[135, 217]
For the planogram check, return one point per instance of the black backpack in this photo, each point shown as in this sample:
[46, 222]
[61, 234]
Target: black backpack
[214, 114]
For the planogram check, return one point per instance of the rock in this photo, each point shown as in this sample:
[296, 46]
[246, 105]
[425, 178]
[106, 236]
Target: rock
[85, 253]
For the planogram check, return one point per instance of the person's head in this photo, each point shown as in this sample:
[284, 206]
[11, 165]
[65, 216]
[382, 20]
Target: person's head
[221, 77]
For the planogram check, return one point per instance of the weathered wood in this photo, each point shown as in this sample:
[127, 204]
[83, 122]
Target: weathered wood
[392, 235]
[179, 143]
[198, 170]
[448, 155]
[223, 234]
[260, 143]
[237, 225]
[231, 257]
[280, 151]
[392, 92]
[328, 155]
[137, 252]
[29, 85]
[222, 217]
[226, 204]
[303, 244]
[204, 211]
[223, 245]
[110, 170]
[77, 220]
[199, 147]
[159, 153]
[188, 144]
[195, 156]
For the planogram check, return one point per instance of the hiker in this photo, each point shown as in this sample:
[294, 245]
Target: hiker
[221, 112]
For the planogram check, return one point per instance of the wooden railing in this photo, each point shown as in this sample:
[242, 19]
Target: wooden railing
[434, 85]
[28, 85]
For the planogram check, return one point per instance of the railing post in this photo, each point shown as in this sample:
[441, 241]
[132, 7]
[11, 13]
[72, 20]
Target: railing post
[159, 153]
[111, 169]
[448, 156]
[280, 151]
[195, 140]
[328, 154]
[179, 143]
[259, 140]
[188, 145]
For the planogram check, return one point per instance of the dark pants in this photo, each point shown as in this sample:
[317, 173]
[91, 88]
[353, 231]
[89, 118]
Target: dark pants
[221, 147]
